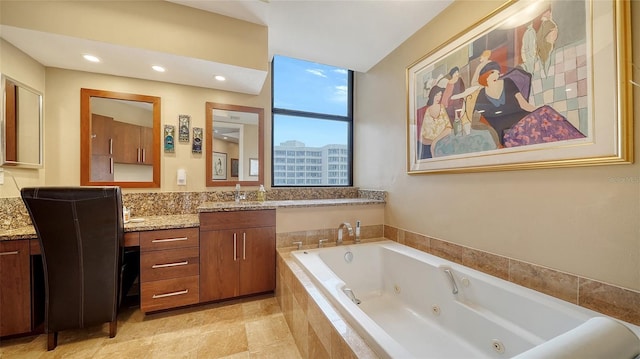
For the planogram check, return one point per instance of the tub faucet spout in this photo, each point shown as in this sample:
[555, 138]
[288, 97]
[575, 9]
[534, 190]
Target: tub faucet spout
[346, 225]
[452, 280]
[351, 296]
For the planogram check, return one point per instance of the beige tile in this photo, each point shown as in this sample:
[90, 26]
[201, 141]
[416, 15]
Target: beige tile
[340, 349]
[486, 262]
[299, 328]
[417, 241]
[390, 233]
[216, 330]
[545, 280]
[617, 302]
[446, 250]
[224, 342]
[280, 350]
[316, 349]
[300, 294]
[373, 231]
[259, 308]
[319, 323]
[133, 348]
[267, 331]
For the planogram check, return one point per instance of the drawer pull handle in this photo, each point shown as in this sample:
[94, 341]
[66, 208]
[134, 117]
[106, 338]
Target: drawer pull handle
[244, 246]
[176, 264]
[180, 292]
[9, 253]
[169, 240]
[235, 247]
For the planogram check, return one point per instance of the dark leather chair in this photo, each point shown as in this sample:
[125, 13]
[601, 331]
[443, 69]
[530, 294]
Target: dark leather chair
[80, 230]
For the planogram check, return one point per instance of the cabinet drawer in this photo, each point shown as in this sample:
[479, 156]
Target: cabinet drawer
[169, 293]
[168, 239]
[212, 221]
[169, 263]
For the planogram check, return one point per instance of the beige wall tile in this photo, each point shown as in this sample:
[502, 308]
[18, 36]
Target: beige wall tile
[486, 262]
[614, 301]
[446, 250]
[548, 281]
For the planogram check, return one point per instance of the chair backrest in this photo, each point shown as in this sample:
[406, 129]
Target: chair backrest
[80, 230]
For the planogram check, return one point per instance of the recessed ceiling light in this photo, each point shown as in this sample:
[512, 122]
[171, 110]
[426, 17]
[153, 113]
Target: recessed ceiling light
[219, 77]
[158, 68]
[91, 58]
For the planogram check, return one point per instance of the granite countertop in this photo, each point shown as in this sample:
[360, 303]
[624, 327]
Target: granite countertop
[151, 223]
[252, 205]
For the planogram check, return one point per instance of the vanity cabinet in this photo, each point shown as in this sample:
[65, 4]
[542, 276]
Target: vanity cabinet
[15, 287]
[237, 253]
[169, 268]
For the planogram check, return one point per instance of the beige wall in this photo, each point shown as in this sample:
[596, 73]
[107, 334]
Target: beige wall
[159, 26]
[20, 67]
[151, 24]
[584, 221]
[63, 122]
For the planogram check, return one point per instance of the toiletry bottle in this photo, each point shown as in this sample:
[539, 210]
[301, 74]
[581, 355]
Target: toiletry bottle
[358, 231]
[262, 195]
[126, 214]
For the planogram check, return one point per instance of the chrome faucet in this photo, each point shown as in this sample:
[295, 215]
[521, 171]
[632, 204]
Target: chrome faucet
[349, 229]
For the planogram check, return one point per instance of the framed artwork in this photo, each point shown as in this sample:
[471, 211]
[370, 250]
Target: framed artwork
[253, 166]
[196, 145]
[169, 137]
[534, 85]
[183, 127]
[234, 167]
[219, 166]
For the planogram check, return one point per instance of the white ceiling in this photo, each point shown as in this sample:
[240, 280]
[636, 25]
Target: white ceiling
[352, 34]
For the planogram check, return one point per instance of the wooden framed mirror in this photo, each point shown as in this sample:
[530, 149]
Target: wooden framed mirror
[20, 125]
[120, 139]
[234, 145]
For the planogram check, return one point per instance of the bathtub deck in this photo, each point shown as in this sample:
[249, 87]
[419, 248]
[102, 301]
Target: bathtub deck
[420, 336]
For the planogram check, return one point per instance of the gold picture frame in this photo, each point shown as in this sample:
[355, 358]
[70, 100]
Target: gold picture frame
[523, 89]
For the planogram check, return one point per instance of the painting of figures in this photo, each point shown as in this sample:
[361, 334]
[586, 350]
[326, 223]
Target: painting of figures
[523, 84]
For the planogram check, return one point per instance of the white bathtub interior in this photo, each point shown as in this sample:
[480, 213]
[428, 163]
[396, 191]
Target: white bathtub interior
[408, 308]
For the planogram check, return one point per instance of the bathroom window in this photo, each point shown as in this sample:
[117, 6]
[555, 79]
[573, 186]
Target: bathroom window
[312, 122]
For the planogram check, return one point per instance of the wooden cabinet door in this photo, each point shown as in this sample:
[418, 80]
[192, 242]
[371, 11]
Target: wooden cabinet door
[219, 265]
[126, 143]
[15, 287]
[101, 148]
[257, 260]
[146, 143]
[101, 135]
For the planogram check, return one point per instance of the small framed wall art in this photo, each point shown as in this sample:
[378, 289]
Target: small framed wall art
[196, 145]
[183, 126]
[169, 137]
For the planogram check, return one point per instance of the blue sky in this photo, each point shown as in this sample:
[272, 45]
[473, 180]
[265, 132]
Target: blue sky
[311, 87]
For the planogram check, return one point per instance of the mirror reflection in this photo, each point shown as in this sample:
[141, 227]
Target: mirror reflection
[121, 137]
[22, 125]
[234, 145]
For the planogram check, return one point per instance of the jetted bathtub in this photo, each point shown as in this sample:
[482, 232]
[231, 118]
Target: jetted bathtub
[409, 304]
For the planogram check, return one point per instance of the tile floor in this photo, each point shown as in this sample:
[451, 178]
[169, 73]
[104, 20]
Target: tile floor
[247, 328]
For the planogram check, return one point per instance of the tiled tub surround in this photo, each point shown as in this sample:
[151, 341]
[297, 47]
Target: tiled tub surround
[399, 287]
[601, 297]
[318, 329]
